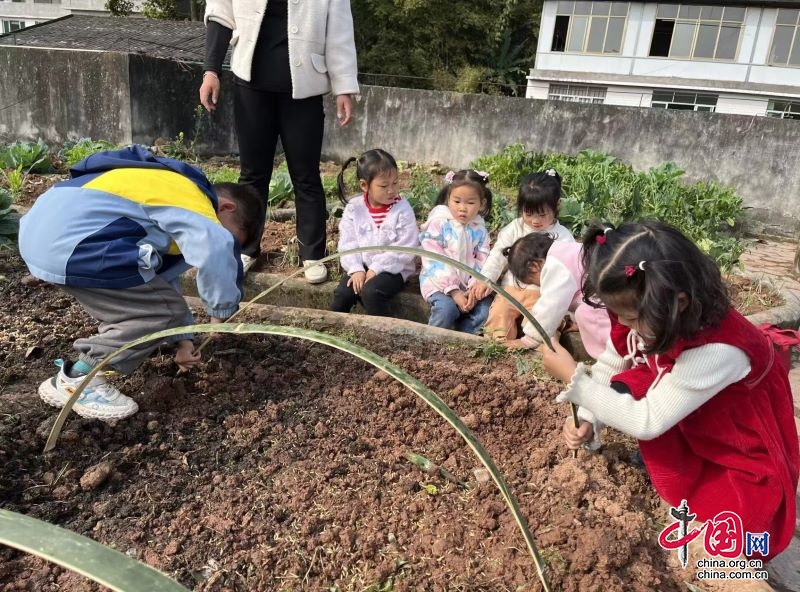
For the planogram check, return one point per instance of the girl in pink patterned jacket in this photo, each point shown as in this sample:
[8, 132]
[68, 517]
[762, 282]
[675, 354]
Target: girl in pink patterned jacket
[455, 228]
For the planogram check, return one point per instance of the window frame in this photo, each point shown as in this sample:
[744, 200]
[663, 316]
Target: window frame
[775, 114]
[794, 42]
[695, 104]
[570, 96]
[10, 30]
[590, 17]
[697, 23]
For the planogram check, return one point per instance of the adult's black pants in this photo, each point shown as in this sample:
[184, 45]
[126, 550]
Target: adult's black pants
[261, 118]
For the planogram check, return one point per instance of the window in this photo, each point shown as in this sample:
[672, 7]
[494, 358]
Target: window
[697, 32]
[577, 93]
[785, 43]
[783, 110]
[684, 101]
[11, 26]
[589, 27]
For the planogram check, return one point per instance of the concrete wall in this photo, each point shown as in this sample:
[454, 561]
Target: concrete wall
[759, 156]
[57, 95]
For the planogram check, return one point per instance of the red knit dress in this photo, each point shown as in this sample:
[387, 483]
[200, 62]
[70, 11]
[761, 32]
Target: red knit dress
[737, 452]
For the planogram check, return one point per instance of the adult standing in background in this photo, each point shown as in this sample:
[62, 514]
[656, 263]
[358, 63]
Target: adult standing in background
[287, 54]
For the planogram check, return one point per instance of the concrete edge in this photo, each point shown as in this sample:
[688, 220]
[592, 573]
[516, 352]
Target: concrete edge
[787, 315]
[326, 320]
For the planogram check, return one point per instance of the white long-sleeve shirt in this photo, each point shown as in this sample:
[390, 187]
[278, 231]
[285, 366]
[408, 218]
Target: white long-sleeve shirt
[358, 229]
[698, 374]
[496, 264]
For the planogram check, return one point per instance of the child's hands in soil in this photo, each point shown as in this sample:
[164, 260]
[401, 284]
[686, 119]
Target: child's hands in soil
[357, 281]
[577, 437]
[185, 357]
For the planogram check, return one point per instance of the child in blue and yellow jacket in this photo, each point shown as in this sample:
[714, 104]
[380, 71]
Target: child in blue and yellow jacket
[117, 236]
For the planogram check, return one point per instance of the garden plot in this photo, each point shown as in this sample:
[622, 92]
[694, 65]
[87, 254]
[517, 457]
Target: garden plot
[281, 466]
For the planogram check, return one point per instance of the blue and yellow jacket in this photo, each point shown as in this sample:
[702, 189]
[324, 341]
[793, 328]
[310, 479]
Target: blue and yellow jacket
[127, 216]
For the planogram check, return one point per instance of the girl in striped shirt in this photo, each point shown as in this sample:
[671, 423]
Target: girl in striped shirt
[377, 216]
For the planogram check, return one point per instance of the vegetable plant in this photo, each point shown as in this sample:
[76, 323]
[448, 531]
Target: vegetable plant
[9, 221]
[75, 151]
[32, 157]
[596, 185]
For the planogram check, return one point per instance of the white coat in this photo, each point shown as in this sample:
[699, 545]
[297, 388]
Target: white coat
[322, 51]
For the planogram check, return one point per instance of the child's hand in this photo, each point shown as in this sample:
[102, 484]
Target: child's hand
[357, 281]
[577, 437]
[471, 300]
[370, 274]
[185, 357]
[559, 363]
[515, 344]
[480, 290]
[460, 298]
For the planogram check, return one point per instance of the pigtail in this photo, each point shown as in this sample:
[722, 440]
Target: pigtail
[594, 238]
[506, 252]
[340, 180]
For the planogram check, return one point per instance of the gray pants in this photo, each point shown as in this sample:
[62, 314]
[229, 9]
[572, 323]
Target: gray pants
[127, 314]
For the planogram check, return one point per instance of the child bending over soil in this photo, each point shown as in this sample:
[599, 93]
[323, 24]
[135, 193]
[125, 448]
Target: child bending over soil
[116, 237]
[695, 382]
[555, 268]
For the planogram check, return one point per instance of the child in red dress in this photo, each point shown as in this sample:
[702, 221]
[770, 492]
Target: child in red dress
[697, 384]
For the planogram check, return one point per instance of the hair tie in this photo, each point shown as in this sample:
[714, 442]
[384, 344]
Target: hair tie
[484, 175]
[630, 270]
[551, 172]
[600, 239]
[449, 177]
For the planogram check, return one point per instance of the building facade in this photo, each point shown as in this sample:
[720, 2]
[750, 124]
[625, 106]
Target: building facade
[18, 14]
[725, 57]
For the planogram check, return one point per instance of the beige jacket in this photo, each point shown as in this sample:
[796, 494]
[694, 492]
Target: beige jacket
[322, 51]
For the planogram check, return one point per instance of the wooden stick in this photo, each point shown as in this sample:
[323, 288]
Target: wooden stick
[574, 408]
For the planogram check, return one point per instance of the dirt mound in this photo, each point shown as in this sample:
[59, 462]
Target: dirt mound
[281, 466]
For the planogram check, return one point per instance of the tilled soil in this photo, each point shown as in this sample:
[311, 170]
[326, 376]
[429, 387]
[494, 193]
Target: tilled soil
[280, 465]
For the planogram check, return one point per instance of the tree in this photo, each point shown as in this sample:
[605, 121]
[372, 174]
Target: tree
[120, 7]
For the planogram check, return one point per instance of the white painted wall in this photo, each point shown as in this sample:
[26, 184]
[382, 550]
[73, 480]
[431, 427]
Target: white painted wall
[750, 65]
[629, 96]
[742, 104]
[537, 89]
[32, 11]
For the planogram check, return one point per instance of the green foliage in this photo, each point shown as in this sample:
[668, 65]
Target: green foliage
[429, 44]
[224, 174]
[598, 186]
[161, 9]
[120, 7]
[9, 221]
[281, 190]
[423, 193]
[32, 157]
[75, 151]
[82, 555]
[15, 180]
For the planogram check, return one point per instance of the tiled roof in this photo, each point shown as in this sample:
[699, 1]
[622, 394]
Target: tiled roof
[175, 40]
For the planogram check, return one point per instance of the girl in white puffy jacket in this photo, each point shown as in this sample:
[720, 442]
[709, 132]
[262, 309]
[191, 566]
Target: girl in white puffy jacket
[377, 216]
[455, 228]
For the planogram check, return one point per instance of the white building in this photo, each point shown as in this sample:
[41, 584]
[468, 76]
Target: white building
[728, 57]
[18, 14]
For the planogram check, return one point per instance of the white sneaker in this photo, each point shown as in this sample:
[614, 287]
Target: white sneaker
[99, 399]
[316, 272]
[247, 262]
